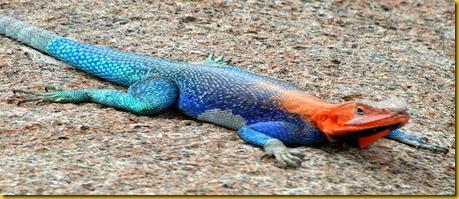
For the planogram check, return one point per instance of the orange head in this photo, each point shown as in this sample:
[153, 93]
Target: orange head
[361, 123]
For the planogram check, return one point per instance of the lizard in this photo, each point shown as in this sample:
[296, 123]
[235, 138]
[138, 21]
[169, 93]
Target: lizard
[266, 112]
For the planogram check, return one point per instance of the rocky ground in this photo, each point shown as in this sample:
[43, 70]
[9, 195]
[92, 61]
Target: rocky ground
[337, 50]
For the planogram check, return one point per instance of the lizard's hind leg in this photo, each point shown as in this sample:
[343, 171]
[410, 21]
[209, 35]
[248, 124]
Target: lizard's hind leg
[146, 97]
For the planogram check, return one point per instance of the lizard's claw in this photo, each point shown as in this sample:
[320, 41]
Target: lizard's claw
[286, 157]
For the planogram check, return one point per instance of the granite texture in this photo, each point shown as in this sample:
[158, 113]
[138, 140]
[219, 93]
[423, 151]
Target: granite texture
[337, 50]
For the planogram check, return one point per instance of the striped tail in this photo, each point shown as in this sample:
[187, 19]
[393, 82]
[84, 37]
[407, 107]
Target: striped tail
[31, 35]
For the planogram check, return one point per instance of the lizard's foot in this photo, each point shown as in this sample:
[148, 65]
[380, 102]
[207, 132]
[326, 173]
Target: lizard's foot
[285, 156]
[421, 142]
[415, 141]
[219, 60]
[51, 94]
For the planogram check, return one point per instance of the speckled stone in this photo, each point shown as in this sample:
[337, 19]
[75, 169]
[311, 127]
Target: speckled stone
[337, 50]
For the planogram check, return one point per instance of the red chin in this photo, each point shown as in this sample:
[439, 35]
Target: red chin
[367, 140]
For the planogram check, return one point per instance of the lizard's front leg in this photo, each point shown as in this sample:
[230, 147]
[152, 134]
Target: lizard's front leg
[272, 136]
[414, 141]
[145, 97]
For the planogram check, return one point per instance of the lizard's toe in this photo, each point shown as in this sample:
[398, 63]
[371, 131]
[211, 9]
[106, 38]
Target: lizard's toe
[281, 162]
[220, 58]
[29, 96]
[27, 92]
[210, 57]
[296, 152]
[433, 147]
[293, 160]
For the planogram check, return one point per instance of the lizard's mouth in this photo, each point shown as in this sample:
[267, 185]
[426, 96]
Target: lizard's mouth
[366, 137]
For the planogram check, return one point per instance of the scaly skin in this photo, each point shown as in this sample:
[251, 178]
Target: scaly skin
[265, 112]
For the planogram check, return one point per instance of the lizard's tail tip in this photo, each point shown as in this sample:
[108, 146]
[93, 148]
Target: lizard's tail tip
[24, 32]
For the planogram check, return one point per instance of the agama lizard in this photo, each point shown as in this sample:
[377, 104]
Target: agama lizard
[265, 112]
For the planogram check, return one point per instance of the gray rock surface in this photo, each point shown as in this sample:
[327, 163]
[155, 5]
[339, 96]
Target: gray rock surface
[337, 50]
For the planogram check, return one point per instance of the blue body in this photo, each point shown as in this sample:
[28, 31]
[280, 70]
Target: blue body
[201, 87]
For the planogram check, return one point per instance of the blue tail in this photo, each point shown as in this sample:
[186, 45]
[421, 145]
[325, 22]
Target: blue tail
[112, 65]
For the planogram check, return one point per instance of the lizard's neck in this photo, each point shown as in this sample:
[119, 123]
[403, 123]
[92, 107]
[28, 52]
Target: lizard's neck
[297, 101]
[303, 104]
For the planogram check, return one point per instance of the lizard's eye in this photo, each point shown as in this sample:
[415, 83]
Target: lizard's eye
[359, 111]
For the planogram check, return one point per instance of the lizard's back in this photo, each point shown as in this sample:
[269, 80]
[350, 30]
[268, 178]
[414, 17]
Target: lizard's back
[230, 97]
